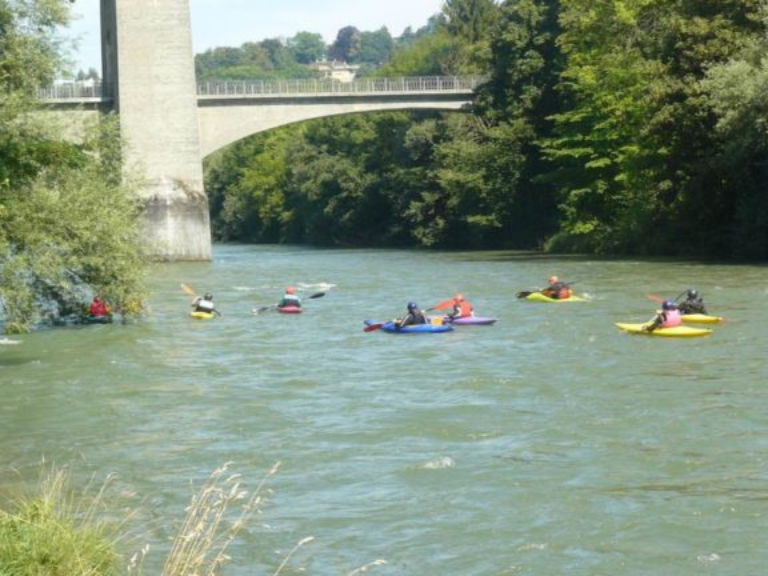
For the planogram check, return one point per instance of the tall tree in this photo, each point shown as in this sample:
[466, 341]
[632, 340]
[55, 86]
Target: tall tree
[347, 45]
[307, 47]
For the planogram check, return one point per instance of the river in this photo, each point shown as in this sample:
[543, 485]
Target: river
[549, 443]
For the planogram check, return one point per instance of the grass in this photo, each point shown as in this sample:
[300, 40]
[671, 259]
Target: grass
[57, 533]
[62, 533]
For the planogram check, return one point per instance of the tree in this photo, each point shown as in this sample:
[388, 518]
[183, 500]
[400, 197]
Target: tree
[346, 47]
[307, 47]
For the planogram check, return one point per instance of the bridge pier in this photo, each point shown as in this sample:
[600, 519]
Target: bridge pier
[148, 61]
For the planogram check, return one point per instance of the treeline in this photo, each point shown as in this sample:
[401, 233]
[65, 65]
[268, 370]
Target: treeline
[275, 58]
[605, 126]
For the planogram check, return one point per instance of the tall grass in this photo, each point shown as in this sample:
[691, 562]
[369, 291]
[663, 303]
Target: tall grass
[58, 533]
[200, 547]
[62, 533]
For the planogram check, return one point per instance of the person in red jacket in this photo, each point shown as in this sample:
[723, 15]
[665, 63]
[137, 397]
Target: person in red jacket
[98, 307]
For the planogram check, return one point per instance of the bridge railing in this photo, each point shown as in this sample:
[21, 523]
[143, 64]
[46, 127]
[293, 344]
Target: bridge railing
[329, 87]
[88, 90]
[96, 91]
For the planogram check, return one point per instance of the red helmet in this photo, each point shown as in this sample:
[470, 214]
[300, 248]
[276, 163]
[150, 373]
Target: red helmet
[290, 290]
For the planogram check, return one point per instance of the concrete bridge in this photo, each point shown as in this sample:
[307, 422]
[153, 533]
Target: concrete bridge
[169, 123]
[229, 111]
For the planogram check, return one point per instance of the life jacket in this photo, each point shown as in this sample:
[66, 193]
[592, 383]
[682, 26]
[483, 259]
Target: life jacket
[290, 300]
[204, 305]
[672, 318]
[98, 309]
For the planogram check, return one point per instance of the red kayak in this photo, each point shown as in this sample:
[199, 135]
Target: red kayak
[289, 309]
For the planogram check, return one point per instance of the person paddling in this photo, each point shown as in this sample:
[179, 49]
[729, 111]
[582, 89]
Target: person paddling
[289, 299]
[693, 304]
[203, 303]
[557, 289]
[413, 317]
[667, 317]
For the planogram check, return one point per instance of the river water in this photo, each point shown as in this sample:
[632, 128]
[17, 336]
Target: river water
[550, 443]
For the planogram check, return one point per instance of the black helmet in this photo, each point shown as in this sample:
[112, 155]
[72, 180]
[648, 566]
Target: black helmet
[693, 293]
[208, 296]
[412, 306]
[668, 305]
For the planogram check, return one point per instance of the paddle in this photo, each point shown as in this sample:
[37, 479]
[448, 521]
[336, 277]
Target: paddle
[659, 299]
[373, 327]
[189, 291]
[261, 309]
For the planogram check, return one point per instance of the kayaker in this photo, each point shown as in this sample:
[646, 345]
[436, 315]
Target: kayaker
[98, 307]
[693, 304]
[667, 317]
[461, 308]
[557, 289]
[289, 298]
[203, 303]
[413, 317]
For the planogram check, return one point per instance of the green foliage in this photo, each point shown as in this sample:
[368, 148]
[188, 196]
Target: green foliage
[68, 223]
[307, 47]
[433, 55]
[57, 534]
[71, 227]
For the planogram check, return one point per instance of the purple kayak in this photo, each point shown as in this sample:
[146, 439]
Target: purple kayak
[470, 321]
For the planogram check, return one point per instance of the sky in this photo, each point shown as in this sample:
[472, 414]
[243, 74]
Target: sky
[234, 22]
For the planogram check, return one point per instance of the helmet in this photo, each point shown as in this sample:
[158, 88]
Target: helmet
[208, 296]
[412, 306]
[290, 290]
[668, 305]
[553, 279]
[693, 294]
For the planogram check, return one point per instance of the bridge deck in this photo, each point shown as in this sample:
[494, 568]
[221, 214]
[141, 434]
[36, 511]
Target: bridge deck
[89, 93]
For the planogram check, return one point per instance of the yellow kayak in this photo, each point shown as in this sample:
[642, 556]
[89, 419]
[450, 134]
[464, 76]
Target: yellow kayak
[701, 319]
[539, 297]
[201, 315]
[674, 332]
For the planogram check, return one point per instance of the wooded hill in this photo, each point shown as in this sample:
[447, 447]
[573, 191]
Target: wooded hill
[606, 127]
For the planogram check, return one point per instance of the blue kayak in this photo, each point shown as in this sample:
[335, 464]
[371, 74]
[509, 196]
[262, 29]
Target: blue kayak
[391, 327]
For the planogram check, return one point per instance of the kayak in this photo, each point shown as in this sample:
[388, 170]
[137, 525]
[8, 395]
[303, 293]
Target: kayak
[289, 310]
[413, 329]
[200, 315]
[539, 297]
[674, 332]
[103, 319]
[701, 319]
[470, 321]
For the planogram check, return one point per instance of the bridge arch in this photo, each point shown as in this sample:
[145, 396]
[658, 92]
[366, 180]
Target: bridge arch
[222, 126]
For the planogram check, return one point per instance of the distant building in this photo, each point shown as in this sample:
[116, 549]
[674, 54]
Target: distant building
[335, 70]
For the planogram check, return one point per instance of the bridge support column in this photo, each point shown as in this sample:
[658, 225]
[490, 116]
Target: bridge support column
[148, 60]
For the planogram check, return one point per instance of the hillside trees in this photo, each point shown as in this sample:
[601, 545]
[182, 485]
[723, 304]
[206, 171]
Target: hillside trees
[635, 145]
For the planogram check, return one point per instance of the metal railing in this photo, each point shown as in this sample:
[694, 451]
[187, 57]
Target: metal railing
[327, 87]
[85, 91]
[90, 91]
